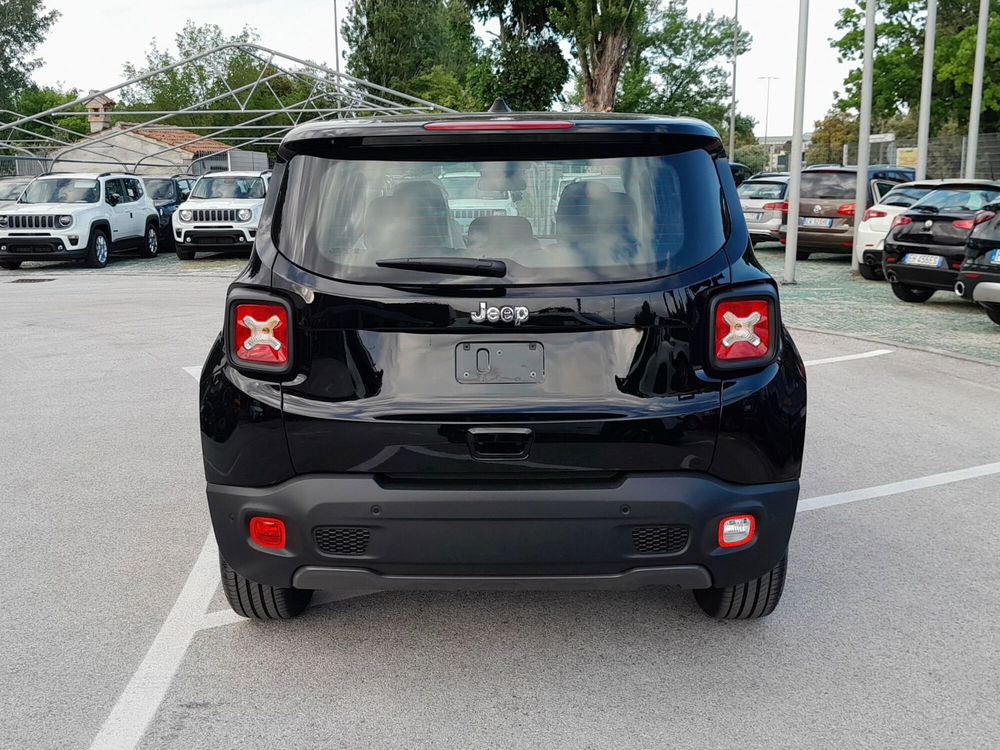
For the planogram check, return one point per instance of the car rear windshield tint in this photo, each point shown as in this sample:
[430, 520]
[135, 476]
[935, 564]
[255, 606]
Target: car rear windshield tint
[957, 200]
[903, 196]
[550, 220]
[820, 185]
[762, 190]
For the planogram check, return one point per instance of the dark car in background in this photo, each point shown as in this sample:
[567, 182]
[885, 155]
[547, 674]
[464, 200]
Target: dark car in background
[979, 277]
[827, 212]
[167, 194]
[926, 246]
[596, 392]
[764, 206]
[741, 172]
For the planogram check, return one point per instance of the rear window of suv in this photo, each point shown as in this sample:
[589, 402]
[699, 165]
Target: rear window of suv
[820, 185]
[565, 220]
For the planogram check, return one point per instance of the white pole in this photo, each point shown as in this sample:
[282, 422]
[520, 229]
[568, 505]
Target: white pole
[795, 158]
[732, 111]
[336, 36]
[977, 90]
[924, 123]
[865, 132]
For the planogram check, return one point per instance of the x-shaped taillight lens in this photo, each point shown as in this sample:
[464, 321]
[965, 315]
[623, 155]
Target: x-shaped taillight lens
[261, 334]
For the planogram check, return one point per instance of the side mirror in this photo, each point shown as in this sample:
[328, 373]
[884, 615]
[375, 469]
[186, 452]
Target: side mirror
[185, 194]
[113, 200]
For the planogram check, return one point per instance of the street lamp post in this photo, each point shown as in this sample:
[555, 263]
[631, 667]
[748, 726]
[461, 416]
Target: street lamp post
[977, 90]
[795, 158]
[732, 111]
[864, 132]
[926, 81]
[767, 112]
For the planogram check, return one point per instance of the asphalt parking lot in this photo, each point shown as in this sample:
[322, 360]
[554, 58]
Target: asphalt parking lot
[115, 634]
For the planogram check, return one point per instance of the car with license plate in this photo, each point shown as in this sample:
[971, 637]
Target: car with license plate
[764, 206]
[827, 210]
[596, 394]
[220, 214]
[877, 220]
[926, 246]
[85, 217]
[979, 278]
[167, 194]
[467, 200]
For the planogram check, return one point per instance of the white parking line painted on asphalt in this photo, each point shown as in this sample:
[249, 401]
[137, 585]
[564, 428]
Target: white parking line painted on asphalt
[138, 703]
[194, 372]
[895, 488]
[848, 357]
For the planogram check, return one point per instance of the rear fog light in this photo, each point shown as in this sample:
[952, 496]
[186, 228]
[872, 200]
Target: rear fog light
[268, 532]
[735, 531]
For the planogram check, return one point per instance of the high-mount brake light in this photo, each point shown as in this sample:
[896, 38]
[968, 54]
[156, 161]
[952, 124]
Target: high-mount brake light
[499, 125]
[901, 221]
[781, 206]
[260, 334]
[742, 330]
[873, 213]
[846, 209]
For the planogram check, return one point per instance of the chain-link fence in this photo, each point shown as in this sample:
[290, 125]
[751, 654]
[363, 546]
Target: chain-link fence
[27, 166]
[945, 156]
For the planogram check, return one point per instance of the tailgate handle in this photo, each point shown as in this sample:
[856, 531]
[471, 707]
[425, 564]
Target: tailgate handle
[499, 443]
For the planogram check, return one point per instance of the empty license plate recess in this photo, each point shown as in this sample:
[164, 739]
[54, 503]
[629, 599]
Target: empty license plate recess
[499, 362]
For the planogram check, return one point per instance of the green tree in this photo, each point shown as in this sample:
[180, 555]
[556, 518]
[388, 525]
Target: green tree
[603, 36]
[23, 26]
[898, 61]
[679, 67]
[830, 135]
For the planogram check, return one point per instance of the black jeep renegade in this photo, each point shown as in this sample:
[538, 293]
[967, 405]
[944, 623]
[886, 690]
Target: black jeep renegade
[503, 351]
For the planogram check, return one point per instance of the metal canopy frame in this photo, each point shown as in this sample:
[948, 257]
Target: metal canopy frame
[331, 94]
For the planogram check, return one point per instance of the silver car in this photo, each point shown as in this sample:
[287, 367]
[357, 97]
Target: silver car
[763, 201]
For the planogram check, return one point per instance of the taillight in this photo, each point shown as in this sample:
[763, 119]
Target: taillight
[744, 331]
[901, 221]
[983, 216]
[260, 334]
[735, 531]
[846, 209]
[783, 206]
[267, 532]
[963, 224]
[873, 213]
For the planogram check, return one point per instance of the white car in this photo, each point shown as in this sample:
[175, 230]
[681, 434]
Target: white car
[467, 201]
[221, 213]
[877, 220]
[764, 206]
[11, 189]
[78, 216]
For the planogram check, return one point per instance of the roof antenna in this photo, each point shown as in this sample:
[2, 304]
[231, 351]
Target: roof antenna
[500, 107]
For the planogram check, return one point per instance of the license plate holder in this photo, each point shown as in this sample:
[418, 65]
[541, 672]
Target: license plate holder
[497, 362]
[812, 221]
[923, 259]
[751, 216]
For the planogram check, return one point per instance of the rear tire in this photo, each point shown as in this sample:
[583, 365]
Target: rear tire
[98, 249]
[912, 293]
[259, 601]
[745, 601]
[993, 312]
[184, 254]
[150, 244]
[802, 255]
[872, 273]
[10, 265]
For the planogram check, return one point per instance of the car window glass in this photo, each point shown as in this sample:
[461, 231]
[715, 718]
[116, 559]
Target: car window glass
[132, 190]
[882, 188]
[756, 190]
[905, 197]
[972, 199]
[549, 220]
[818, 184]
[239, 188]
[114, 188]
[11, 190]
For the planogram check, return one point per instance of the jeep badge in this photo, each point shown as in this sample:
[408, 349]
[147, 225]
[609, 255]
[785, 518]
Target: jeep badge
[507, 314]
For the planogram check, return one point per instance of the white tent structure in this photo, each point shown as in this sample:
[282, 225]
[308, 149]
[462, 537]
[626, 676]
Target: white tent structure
[295, 91]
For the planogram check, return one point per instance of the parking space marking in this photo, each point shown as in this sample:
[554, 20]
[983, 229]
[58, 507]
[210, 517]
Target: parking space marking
[895, 488]
[848, 357]
[138, 703]
[194, 372]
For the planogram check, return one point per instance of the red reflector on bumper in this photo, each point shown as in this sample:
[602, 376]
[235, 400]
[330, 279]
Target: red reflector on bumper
[267, 532]
[735, 531]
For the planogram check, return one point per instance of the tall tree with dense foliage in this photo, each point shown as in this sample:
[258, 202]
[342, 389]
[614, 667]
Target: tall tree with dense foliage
[524, 64]
[679, 66]
[830, 135]
[603, 35]
[899, 49]
[23, 26]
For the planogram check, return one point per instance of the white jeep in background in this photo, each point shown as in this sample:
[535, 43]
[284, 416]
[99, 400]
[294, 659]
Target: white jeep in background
[78, 216]
[221, 213]
[468, 201]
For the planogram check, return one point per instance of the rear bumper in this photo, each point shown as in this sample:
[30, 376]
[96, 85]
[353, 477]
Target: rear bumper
[983, 287]
[418, 534]
[825, 240]
[872, 258]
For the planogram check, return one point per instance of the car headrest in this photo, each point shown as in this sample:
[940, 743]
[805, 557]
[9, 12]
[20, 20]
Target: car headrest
[500, 233]
[414, 216]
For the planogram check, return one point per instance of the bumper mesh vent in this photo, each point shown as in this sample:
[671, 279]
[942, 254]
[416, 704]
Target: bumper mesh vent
[659, 540]
[341, 540]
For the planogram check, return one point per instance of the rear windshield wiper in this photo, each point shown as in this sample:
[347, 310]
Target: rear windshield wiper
[458, 266]
[926, 208]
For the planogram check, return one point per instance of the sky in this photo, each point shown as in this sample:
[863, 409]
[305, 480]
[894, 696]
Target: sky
[86, 50]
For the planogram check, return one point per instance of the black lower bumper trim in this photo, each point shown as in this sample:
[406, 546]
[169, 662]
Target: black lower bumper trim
[359, 579]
